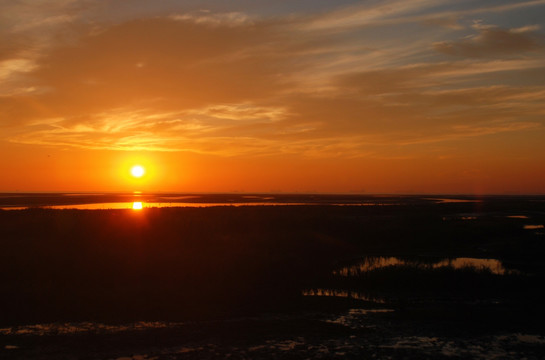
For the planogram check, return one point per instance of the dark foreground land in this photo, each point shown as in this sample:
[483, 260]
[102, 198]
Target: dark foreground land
[249, 282]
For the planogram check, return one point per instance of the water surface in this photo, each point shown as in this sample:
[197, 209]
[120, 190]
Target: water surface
[372, 263]
[95, 201]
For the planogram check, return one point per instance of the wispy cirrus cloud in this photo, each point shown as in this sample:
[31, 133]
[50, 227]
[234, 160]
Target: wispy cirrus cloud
[368, 14]
[392, 12]
[492, 41]
[214, 19]
[317, 84]
[146, 129]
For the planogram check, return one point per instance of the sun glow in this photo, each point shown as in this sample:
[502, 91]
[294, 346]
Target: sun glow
[137, 205]
[137, 171]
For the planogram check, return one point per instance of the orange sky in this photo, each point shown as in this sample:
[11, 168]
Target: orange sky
[422, 96]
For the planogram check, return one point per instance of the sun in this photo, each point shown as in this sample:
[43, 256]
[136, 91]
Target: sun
[137, 171]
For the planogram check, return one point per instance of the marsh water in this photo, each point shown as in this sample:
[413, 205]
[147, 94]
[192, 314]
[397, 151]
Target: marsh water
[357, 280]
[371, 263]
[108, 201]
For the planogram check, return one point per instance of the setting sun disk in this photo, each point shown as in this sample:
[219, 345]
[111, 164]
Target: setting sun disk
[137, 171]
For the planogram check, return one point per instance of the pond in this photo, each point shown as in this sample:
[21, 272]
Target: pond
[372, 263]
[383, 279]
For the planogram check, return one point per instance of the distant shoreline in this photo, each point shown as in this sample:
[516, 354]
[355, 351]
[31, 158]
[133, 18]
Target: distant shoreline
[124, 200]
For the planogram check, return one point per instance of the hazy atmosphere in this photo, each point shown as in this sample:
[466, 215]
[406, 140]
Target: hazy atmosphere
[423, 96]
[271, 179]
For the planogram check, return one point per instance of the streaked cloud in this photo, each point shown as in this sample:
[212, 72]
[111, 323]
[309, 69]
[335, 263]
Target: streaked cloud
[236, 83]
[11, 66]
[394, 12]
[491, 41]
[219, 19]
